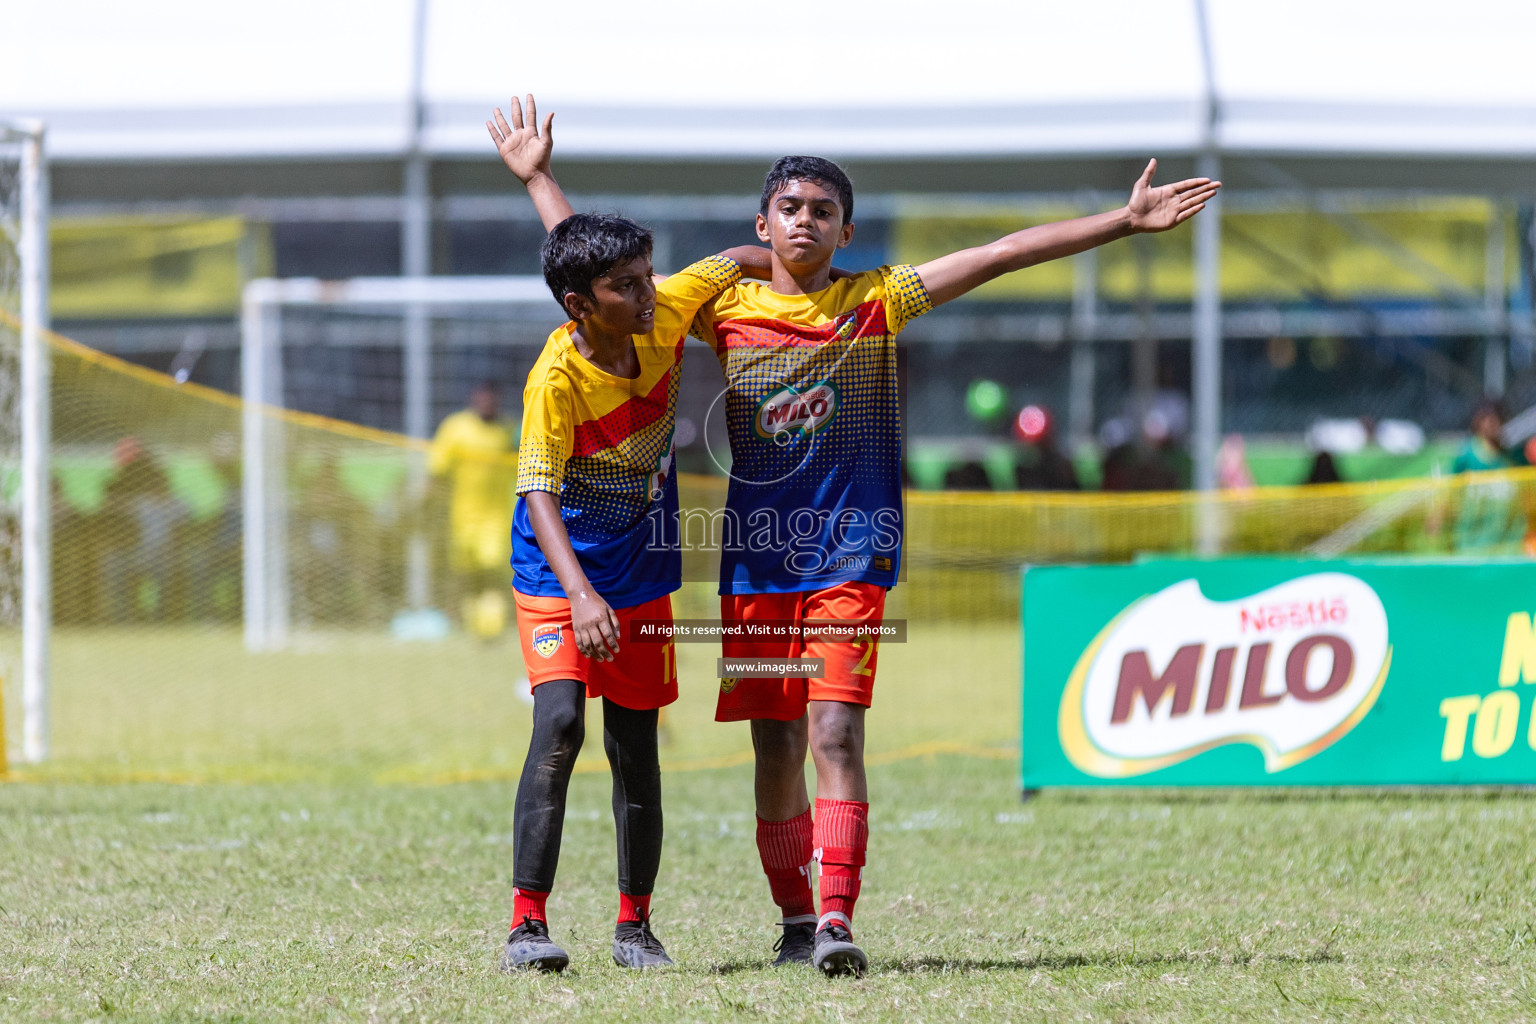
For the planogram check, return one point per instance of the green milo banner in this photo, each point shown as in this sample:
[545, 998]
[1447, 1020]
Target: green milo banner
[1280, 672]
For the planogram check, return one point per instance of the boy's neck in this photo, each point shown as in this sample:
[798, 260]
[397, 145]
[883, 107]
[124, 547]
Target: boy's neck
[799, 278]
[611, 353]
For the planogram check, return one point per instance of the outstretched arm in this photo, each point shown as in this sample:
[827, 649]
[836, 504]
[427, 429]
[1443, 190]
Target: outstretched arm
[526, 151]
[1149, 209]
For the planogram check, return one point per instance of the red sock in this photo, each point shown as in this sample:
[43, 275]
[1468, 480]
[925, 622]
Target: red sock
[842, 836]
[785, 848]
[527, 903]
[633, 908]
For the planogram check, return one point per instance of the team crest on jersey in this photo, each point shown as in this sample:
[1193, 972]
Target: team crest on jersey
[728, 684]
[847, 326]
[656, 483]
[789, 411]
[547, 639]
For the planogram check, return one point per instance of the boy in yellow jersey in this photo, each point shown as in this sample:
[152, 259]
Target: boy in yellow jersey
[814, 505]
[815, 432]
[595, 487]
[474, 449]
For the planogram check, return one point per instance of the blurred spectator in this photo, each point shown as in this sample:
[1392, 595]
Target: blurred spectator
[1484, 449]
[1486, 516]
[335, 535]
[74, 559]
[1153, 462]
[1324, 470]
[1232, 472]
[1039, 464]
[474, 449]
[209, 546]
[135, 528]
[967, 476]
[1115, 472]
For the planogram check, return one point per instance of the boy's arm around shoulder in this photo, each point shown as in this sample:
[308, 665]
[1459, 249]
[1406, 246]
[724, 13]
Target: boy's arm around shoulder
[756, 262]
[1149, 209]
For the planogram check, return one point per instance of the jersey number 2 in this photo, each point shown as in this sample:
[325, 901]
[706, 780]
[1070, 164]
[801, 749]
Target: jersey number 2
[869, 644]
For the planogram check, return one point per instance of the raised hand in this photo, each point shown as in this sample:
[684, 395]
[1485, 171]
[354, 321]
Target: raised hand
[1164, 206]
[524, 148]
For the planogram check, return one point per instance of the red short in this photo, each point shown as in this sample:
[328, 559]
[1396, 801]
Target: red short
[640, 677]
[850, 663]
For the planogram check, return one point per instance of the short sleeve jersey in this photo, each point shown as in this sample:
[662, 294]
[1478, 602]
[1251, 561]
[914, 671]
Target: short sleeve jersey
[603, 445]
[815, 429]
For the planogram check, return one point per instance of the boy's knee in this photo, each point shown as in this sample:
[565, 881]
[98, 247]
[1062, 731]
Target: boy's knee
[779, 742]
[838, 740]
[566, 729]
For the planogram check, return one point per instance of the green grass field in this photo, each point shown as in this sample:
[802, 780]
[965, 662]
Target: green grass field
[324, 834]
[316, 902]
[188, 704]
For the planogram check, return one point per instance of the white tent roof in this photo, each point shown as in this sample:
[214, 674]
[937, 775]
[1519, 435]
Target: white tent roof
[287, 79]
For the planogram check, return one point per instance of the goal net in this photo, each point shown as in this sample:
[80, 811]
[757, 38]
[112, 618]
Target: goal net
[233, 577]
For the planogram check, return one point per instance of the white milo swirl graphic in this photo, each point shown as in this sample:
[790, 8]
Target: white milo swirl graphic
[1289, 670]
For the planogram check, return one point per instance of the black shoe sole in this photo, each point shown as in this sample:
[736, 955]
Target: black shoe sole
[659, 965]
[791, 961]
[547, 965]
[843, 963]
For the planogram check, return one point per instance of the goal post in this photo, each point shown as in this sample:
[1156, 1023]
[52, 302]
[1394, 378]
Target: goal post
[24, 301]
[266, 570]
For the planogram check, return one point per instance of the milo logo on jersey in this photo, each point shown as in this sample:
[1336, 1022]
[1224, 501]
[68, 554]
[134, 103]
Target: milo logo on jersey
[790, 411]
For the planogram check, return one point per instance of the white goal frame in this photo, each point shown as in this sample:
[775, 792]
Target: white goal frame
[36, 582]
[36, 606]
[265, 571]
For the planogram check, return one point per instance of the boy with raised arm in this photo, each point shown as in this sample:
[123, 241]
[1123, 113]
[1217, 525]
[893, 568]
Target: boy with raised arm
[593, 479]
[815, 433]
[815, 497]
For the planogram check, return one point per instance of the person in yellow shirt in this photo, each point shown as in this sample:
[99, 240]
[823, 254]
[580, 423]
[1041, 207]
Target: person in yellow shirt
[476, 451]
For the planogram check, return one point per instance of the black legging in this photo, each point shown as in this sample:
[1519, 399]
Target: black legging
[629, 738]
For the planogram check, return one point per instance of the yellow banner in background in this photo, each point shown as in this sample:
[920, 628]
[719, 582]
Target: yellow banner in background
[136, 267]
[1408, 253]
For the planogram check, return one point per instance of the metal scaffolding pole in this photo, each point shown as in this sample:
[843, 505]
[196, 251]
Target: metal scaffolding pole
[36, 421]
[416, 350]
[1081, 373]
[415, 261]
[1206, 354]
[1495, 305]
[1205, 350]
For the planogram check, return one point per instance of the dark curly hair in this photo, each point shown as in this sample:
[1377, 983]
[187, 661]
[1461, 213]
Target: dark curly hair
[584, 247]
[808, 168]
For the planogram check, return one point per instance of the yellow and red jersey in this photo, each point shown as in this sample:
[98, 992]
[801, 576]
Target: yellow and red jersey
[603, 445]
[815, 428]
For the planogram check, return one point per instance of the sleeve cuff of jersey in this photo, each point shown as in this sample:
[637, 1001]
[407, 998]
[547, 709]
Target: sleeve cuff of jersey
[537, 482]
[720, 271]
[904, 282]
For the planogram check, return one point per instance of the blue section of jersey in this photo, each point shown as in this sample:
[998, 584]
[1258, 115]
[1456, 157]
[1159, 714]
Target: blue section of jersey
[815, 496]
[626, 568]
